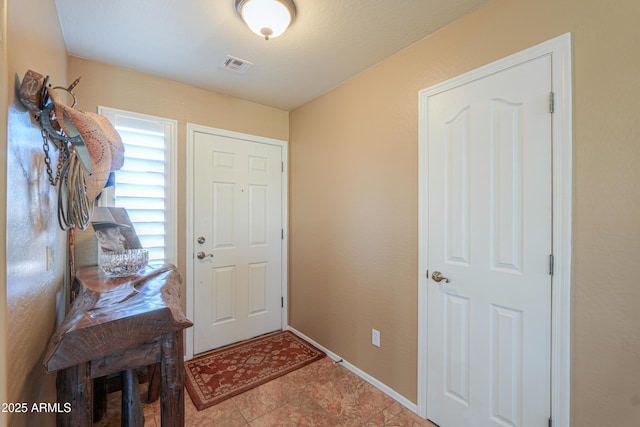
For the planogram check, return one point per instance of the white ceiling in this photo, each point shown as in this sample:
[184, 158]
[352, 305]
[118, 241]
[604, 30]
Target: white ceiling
[330, 41]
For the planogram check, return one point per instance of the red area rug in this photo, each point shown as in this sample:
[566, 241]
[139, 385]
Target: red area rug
[223, 373]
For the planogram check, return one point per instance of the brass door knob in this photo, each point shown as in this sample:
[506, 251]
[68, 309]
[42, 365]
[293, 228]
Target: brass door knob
[202, 255]
[438, 277]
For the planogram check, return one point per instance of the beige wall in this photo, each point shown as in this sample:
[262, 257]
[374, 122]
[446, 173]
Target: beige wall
[34, 41]
[354, 198]
[115, 87]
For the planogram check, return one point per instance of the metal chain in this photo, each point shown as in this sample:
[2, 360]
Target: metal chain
[47, 160]
[62, 158]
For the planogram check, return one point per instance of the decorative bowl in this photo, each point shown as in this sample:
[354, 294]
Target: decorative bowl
[128, 262]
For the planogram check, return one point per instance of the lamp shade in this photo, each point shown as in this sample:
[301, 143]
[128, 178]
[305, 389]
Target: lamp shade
[267, 18]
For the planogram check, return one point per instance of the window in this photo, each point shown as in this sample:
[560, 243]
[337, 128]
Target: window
[146, 184]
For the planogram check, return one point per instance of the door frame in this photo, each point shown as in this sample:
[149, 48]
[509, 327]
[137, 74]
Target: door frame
[192, 129]
[560, 50]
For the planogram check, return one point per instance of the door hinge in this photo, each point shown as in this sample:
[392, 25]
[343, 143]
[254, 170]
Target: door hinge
[551, 264]
[281, 166]
[281, 302]
[552, 102]
[550, 423]
[282, 234]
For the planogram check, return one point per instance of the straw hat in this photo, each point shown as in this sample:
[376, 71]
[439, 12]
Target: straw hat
[113, 137]
[75, 122]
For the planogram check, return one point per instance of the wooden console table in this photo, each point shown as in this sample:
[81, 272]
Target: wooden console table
[117, 325]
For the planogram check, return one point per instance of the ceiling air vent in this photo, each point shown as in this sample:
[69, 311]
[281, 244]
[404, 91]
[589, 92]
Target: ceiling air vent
[236, 65]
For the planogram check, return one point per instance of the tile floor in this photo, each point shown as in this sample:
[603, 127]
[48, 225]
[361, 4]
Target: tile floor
[321, 394]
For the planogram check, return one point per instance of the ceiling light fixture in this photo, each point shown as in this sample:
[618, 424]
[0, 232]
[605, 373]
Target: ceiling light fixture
[267, 18]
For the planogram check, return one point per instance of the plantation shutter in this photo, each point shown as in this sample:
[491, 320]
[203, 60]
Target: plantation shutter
[143, 186]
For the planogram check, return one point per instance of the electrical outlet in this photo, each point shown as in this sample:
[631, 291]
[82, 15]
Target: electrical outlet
[375, 337]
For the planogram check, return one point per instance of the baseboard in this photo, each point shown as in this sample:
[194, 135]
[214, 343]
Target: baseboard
[368, 378]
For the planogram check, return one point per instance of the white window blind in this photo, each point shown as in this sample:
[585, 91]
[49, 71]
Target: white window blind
[145, 186]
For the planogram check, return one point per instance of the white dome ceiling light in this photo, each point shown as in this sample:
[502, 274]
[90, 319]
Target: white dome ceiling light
[267, 18]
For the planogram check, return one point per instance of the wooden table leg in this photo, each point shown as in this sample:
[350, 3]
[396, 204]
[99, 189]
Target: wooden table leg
[132, 415]
[99, 398]
[75, 386]
[172, 395]
[155, 378]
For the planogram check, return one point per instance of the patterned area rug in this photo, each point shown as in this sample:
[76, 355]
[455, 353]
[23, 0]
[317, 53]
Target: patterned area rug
[223, 373]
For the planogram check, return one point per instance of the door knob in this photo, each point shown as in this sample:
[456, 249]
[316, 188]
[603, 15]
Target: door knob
[202, 255]
[438, 277]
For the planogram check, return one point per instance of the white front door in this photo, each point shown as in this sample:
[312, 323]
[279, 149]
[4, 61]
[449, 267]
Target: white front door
[489, 234]
[237, 228]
